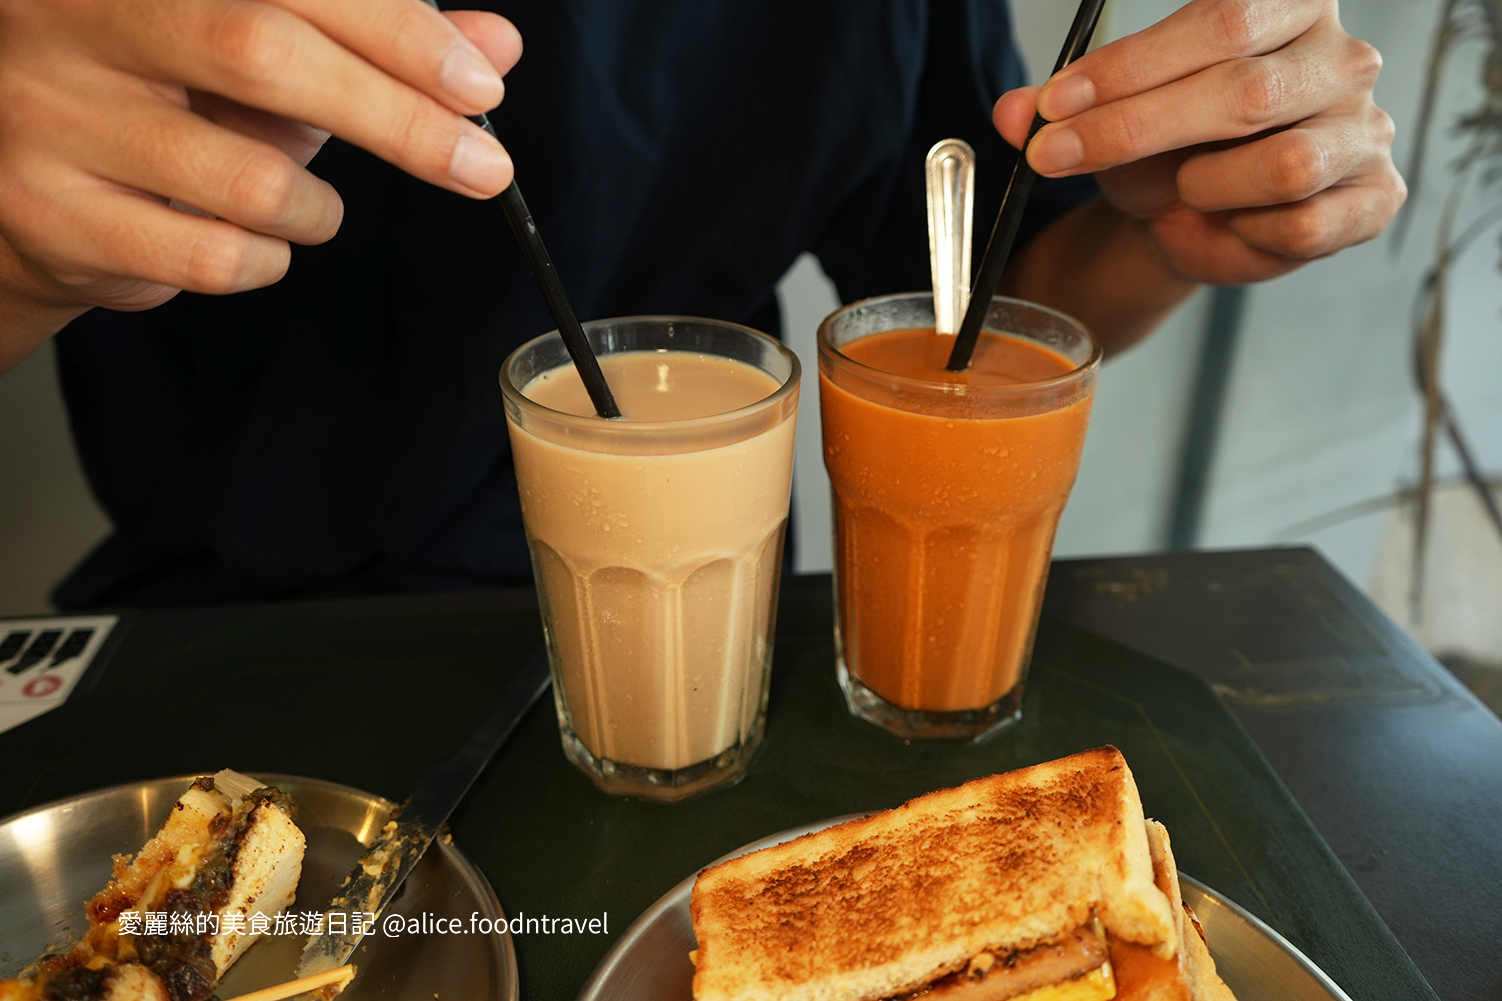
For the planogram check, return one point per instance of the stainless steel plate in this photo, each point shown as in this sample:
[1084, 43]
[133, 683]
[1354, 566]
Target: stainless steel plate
[651, 959]
[56, 856]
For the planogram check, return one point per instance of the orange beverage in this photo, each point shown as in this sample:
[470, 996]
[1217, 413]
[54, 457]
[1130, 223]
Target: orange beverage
[947, 490]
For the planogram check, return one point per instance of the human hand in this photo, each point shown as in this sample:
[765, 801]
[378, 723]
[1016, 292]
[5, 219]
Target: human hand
[116, 116]
[1242, 133]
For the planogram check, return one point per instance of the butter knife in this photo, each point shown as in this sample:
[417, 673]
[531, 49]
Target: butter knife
[375, 879]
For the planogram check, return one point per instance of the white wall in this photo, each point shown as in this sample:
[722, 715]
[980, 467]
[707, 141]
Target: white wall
[1040, 30]
[48, 518]
[1122, 501]
[807, 296]
[1323, 412]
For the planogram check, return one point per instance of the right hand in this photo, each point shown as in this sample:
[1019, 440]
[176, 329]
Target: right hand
[1242, 134]
[152, 146]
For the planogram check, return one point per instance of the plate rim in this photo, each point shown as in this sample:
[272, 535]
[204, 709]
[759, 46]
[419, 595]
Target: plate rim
[1270, 933]
[621, 950]
[598, 982]
[451, 851]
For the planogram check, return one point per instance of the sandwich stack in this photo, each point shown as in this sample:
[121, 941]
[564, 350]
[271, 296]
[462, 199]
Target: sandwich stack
[1043, 884]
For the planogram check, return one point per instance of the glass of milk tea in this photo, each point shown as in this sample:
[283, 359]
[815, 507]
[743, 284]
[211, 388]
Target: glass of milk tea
[656, 542]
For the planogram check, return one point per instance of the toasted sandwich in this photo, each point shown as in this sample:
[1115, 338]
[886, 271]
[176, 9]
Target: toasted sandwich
[1142, 975]
[1043, 884]
[227, 859]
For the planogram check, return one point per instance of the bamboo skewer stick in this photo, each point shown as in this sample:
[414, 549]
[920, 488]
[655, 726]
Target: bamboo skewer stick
[341, 976]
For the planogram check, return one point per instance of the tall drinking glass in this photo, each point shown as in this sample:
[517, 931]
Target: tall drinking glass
[947, 490]
[656, 542]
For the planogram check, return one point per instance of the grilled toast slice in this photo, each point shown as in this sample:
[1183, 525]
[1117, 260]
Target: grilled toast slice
[888, 904]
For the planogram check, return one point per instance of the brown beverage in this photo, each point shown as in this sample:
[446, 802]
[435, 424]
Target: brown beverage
[658, 570]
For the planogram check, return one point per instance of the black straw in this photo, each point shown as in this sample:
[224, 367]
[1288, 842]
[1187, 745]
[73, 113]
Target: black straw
[548, 283]
[1014, 203]
[541, 266]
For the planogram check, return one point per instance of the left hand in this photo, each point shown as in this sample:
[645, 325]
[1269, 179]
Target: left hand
[1242, 133]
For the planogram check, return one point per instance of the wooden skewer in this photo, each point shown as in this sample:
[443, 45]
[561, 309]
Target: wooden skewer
[342, 976]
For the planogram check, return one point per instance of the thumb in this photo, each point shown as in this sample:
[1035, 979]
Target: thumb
[1013, 114]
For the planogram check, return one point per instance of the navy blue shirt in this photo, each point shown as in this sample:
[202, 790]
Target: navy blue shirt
[342, 431]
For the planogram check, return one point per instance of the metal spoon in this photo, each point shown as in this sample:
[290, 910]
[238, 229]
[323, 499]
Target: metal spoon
[950, 170]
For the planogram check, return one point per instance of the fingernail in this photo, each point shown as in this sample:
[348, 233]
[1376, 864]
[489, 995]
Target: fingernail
[1055, 150]
[1066, 98]
[472, 80]
[480, 164]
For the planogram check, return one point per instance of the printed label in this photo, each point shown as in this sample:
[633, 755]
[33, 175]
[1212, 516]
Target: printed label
[42, 659]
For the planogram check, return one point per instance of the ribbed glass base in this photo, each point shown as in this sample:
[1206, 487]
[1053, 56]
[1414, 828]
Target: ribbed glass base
[661, 784]
[920, 724]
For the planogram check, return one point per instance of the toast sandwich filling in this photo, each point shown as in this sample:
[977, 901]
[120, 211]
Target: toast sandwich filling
[1076, 967]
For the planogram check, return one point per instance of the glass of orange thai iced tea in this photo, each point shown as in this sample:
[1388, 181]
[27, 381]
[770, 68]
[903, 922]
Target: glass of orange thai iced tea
[947, 489]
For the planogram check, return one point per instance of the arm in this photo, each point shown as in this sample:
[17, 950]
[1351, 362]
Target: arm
[150, 148]
[1233, 141]
[1104, 268]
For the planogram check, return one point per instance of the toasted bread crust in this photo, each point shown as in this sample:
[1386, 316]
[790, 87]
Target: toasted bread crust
[879, 906]
[1195, 965]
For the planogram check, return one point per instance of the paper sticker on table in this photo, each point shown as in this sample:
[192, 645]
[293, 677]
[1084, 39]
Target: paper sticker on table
[42, 659]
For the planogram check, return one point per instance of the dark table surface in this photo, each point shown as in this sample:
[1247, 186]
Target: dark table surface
[1397, 766]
